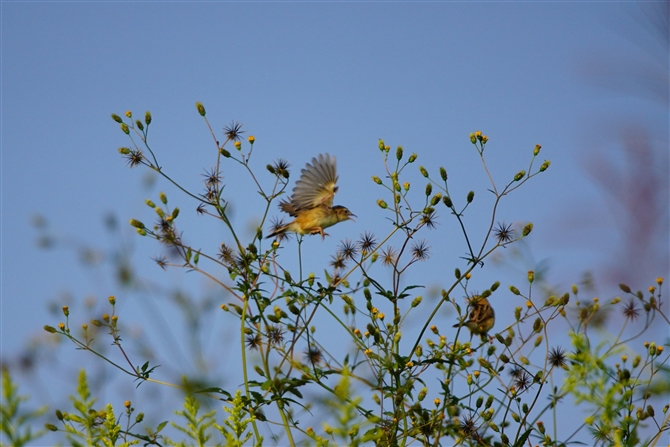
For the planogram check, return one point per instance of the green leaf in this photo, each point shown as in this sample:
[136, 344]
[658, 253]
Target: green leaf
[522, 439]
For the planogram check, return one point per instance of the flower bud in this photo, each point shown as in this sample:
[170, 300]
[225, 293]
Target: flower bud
[443, 173]
[519, 175]
[382, 204]
[251, 139]
[412, 158]
[147, 117]
[544, 165]
[136, 223]
[139, 124]
[125, 128]
[423, 171]
[447, 201]
[429, 189]
[117, 118]
[537, 149]
[471, 196]
[398, 153]
[527, 229]
[201, 108]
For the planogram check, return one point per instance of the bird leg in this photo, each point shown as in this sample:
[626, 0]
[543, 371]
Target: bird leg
[319, 230]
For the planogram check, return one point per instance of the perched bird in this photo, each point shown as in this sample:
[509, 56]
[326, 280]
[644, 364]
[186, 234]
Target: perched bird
[481, 316]
[312, 201]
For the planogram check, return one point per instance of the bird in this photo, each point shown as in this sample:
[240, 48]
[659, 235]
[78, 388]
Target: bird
[481, 316]
[311, 203]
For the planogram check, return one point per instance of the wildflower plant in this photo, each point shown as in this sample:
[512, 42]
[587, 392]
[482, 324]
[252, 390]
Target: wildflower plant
[394, 382]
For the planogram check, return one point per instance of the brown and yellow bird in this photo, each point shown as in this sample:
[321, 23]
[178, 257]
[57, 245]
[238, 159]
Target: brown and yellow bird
[312, 201]
[481, 317]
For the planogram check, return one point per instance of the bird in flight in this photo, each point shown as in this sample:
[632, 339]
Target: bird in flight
[311, 204]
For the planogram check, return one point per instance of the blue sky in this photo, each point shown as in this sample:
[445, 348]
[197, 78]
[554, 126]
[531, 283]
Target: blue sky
[581, 79]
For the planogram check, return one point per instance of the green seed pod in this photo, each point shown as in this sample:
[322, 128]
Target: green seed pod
[423, 171]
[519, 175]
[398, 153]
[412, 158]
[139, 124]
[447, 201]
[117, 118]
[377, 180]
[147, 117]
[201, 108]
[470, 197]
[125, 128]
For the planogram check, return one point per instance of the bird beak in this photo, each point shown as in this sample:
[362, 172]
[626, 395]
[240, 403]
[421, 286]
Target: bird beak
[350, 216]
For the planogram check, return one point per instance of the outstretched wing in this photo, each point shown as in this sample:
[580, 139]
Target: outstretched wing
[316, 186]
